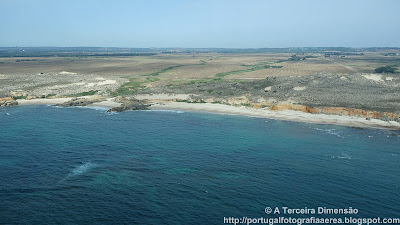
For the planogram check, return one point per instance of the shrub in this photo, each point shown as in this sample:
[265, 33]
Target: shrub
[385, 69]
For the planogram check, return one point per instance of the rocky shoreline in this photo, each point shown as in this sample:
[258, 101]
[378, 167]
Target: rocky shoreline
[282, 111]
[129, 103]
[6, 102]
[367, 96]
[80, 102]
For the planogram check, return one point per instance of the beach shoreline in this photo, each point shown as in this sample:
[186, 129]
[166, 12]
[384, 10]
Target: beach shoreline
[288, 115]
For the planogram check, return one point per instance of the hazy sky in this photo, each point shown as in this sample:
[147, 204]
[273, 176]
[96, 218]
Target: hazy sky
[200, 23]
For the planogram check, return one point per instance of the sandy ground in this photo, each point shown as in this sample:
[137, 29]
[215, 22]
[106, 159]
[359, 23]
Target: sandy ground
[374, 77]
[281, 115]
[162, 97]
[160, 102]
[42, 101]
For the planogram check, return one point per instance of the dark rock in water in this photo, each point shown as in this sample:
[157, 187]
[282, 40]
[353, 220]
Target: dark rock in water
[79, 102]
[129, 103]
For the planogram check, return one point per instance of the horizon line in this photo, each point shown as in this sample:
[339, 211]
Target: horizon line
[195, 47]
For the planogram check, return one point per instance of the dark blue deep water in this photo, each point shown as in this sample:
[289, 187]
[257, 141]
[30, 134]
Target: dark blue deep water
[84, 166]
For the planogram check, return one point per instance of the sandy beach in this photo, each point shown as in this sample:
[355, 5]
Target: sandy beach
[42, 101]
[163, 102]
[289, 115]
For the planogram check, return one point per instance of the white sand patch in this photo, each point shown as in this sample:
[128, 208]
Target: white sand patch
[300, 88]
[100, 78]
[101, 83]
[42, 101]
[268, 88]
[90, 84]
[106, 82]
[66, 73]
[389, 78]
[374, 77]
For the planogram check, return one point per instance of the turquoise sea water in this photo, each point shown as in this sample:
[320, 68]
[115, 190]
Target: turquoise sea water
[84, 166]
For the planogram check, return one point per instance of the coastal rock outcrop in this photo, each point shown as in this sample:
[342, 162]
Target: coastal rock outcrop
[5, 102]
[129, 103]
[80, 102]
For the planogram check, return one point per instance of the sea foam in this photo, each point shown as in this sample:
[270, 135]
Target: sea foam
[79, 170]
[82, 168]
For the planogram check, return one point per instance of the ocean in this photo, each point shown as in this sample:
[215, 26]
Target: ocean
[86, 166]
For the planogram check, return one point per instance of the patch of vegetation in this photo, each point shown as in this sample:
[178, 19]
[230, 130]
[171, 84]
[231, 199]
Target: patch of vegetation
[152, 79]
[163, 70]
[210, 90]
[182, 100]
[385, 69]
[19, 97]
[201, 101]
[133, 85]
[50, 95]
[253, 68]
[245, 104]
[298, 58]
[390, 54]
[257, 64]
[241, 81]
[129, 88]
[91, 92]
[203, 81]
[220, 75]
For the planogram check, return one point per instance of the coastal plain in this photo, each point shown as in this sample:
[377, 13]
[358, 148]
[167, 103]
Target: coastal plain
[339, 83]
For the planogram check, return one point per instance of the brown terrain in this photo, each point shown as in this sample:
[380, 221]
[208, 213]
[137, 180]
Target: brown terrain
[317, 83]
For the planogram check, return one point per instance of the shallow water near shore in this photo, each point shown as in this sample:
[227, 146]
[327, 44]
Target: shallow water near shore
[80, 165]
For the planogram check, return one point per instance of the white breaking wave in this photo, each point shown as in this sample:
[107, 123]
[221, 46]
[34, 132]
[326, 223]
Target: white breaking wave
[99, 108]
[81, 169]
[344, 156]
[330, 131]
[164, 110]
